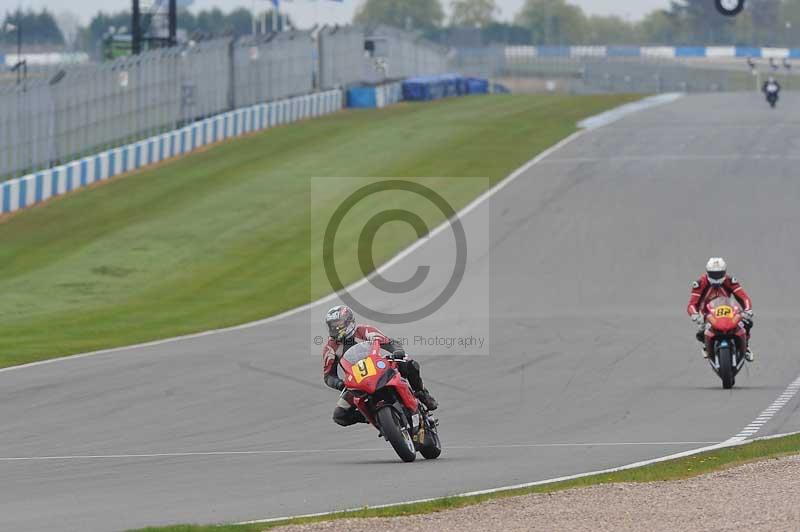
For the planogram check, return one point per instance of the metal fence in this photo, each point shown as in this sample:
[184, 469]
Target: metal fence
[65, 113]
[344, 58]
[586, 71]
[408, 54]
[383, 53]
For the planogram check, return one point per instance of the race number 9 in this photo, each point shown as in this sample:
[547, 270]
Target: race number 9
[365, 368]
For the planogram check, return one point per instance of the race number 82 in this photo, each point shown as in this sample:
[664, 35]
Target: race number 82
[723, 312]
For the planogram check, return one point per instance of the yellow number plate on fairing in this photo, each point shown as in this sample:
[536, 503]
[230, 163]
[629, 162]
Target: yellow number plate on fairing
[723, 312]
[363, 369]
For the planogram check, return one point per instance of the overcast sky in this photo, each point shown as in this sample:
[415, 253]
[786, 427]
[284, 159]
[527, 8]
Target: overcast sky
[307, 12]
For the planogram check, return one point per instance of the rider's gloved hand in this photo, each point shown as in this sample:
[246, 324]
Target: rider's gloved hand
[399, 354]
[698, 320]
[747, 317]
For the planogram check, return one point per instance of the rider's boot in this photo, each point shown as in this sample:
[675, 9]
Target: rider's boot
[701, 338]
[427, 399]
[749, 355]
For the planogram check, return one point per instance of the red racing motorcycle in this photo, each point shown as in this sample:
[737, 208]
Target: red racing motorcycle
[723, 325]
[386, 400]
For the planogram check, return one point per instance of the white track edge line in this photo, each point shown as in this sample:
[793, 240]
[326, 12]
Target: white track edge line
[684, 454]
[614, 115]
[770, 412]
[266, 452]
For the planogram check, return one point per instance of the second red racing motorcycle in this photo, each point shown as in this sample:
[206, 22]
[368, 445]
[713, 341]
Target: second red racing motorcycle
[723, 326]
[386, 400]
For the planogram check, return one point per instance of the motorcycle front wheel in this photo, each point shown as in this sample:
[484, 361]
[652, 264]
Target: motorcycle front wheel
[396, 432]
[725, 359]
[432, 447]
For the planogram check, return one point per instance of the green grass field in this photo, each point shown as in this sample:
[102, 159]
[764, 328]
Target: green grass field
[670, 470]
[221, 237]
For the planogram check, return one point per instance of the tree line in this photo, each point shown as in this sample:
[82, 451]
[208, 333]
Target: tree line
[539, 22]
[41, 27]
[559, 22]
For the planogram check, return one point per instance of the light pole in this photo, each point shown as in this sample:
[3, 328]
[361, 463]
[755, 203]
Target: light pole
[21, 66]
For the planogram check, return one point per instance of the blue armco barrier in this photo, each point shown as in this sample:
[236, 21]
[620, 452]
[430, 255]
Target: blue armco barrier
[25, 191]
[650, 51]
[748, 51]
[424, 88]
[435, 87]
[477, 86]
[362, 97]
[553, 51]
[690, 51]
[624, 51]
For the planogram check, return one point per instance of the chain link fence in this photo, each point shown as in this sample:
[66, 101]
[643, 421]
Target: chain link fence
[61, 114]
[356, 54]
[581, 70]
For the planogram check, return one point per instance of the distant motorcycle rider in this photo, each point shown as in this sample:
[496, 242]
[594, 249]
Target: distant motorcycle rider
[771, 89]
[344, 333]
[716, 283]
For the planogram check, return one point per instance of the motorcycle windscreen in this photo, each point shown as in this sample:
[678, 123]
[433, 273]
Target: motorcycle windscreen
[363, 367]
[361, 351]
[726, 303]
[724, 313]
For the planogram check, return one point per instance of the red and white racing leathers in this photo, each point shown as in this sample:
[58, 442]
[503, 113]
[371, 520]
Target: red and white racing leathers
[333, 351]
[703, 292]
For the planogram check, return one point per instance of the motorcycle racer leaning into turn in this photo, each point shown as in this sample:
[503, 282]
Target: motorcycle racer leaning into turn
[344, 333]
[716, 283]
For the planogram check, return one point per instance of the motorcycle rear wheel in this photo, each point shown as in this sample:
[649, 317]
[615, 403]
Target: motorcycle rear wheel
[396, 433]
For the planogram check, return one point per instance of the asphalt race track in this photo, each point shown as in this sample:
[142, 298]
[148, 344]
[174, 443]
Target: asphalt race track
[593, 363]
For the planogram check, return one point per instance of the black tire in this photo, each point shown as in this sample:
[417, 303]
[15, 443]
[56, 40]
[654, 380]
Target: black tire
[727, 10]
[396, 434]
[726, 367]
[433, 446]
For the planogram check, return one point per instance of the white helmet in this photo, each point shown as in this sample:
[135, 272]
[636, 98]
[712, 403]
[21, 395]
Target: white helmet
[716, 269]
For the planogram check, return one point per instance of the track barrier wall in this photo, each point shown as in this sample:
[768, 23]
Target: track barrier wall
[61, 112]
[18, 194]
[375, 96]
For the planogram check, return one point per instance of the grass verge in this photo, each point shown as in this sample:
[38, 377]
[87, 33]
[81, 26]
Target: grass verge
[670, 470]
[222, 236]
